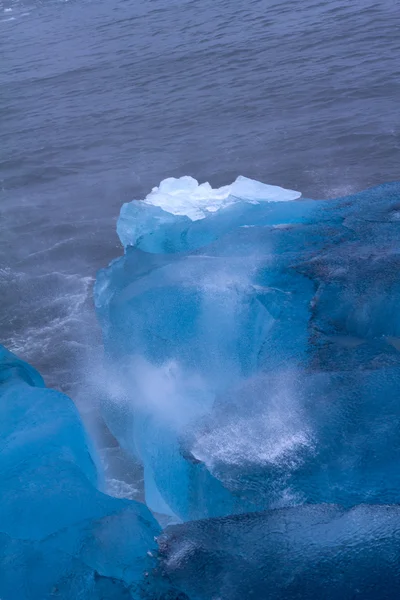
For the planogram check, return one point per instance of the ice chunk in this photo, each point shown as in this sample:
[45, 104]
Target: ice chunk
[281, 319]
[164, 220]
[250, 190]
[139, 223]
[59, 535]
[186, 197]
[311, 552]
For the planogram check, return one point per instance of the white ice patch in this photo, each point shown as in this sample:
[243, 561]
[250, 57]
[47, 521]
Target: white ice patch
[185, 196]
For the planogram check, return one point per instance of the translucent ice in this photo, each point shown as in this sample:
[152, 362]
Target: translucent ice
[256, 349]
[252, 367]
[59, 536]
[185, 196]
[187, 199]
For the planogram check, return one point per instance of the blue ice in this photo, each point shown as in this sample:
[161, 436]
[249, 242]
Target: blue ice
[307, 552]
[252, 367]
[255, 336]
[60, 537]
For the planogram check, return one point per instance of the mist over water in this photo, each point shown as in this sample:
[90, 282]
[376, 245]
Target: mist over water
[101, 100]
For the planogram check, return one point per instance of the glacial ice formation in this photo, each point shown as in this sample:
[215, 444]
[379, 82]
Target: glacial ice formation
[258, 346]
[60, 537]
[252, 367]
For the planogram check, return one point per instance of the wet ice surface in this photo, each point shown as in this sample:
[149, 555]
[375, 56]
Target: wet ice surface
[94, 115]
[60, 535]
[230, 345]
[253, 370]
[307, 552]
[250, 380]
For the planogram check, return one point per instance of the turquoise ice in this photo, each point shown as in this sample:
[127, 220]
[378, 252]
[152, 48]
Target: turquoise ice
[60, 537]
[252, 367]
[255, 339]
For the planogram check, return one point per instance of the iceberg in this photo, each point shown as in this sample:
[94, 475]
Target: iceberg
[252, 371]
[254, 340]
[59, 535]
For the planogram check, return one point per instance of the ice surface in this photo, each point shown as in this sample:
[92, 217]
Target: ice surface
[303, 553]
[255, 351]
[185, 196]
[59, 535]
[187, 199]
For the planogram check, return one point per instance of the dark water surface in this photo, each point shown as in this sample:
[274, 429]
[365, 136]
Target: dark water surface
[100, 100]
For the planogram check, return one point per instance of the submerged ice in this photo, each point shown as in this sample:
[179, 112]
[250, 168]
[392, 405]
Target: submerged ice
[252, 371]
